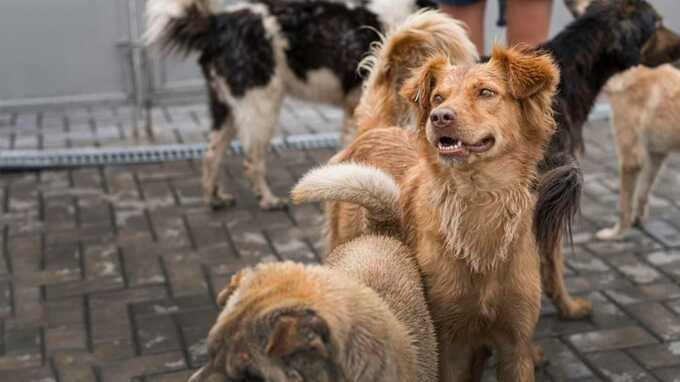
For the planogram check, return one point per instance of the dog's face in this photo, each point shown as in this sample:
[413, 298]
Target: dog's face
[469, 114]
[267, 333]
[641, 37]
[663, 47]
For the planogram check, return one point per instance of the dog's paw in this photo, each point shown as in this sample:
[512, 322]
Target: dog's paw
[538, 355]
[609, 233]
[577, 309]
[273, 203]
[221, 200]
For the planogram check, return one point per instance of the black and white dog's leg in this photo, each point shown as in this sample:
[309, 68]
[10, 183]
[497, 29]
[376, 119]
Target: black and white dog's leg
[256, 116]
[221, 135]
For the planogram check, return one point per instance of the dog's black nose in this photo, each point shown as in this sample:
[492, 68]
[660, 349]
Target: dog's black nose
[443, 117]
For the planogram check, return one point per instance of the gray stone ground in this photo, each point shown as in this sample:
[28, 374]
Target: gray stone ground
[110, 274]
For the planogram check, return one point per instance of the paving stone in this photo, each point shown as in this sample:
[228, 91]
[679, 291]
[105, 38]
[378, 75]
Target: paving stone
[651, 292]
[657, 356]
[563, 363]
[668, 375]
[618, 366]
[635, 269]
[610, 339]
[157, 335]
[658, 319]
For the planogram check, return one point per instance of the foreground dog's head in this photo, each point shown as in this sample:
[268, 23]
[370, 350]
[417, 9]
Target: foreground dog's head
[476, 113]
[640, 36]
[268, 331]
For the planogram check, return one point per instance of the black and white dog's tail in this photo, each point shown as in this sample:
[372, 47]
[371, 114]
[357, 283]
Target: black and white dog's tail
[367, 186]
[559, 196]
[180, 25]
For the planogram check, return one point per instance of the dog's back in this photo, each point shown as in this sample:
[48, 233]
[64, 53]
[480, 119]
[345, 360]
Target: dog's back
[646, 103]
[389, 268]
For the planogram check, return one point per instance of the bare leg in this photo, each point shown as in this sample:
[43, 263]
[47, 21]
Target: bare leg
[473, 16]
[552, 277]
[650, 170]
[528, 21]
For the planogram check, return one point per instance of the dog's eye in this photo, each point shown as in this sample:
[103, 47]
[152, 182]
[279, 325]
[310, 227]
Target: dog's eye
[437, 99]
[486, 93]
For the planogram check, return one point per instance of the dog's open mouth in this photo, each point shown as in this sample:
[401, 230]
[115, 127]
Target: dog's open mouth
[449, 146]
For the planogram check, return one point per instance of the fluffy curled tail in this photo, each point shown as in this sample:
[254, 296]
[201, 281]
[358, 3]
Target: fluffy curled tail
[404, 48]
[559, 194]
[363, 185]
[180, 25]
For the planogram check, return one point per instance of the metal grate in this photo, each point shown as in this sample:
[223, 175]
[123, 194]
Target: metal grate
[33, 159]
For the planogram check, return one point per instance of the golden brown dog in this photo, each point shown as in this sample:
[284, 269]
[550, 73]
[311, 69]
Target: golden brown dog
[462, 191]
[646, 123]
[362, 317]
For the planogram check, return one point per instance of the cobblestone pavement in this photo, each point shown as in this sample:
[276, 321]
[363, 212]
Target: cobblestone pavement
[110, 274]
[111, 126]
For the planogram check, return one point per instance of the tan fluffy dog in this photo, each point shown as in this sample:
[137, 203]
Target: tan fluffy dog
[462, 191]
[363, 317]
[646, 123]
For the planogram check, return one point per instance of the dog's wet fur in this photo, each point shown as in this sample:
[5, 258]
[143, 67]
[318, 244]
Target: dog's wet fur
[466, 203]
[361, 317]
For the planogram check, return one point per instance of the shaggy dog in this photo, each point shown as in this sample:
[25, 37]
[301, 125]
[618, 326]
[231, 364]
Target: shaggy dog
[461, 198]
[610, 37]
[253, 53]
[646, 123]
[361, 317]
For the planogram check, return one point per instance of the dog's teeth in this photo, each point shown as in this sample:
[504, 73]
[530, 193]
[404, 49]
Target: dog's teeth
[458, 144]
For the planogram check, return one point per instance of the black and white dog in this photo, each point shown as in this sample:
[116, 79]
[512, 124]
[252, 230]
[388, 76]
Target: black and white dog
[253, 53]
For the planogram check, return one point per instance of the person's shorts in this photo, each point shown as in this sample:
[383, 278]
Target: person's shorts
[457, 2]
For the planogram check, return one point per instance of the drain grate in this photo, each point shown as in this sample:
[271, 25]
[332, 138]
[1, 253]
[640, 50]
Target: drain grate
[33, 159]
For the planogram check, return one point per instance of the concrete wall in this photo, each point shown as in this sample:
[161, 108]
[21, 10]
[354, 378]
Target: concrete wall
[52, 51]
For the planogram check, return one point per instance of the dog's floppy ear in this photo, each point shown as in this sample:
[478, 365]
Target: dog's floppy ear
[418, 88]
[294, 332]
[235, 282]
[527, 72]
[663, 47]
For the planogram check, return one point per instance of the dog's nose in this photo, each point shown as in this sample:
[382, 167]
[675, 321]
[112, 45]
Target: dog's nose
[443, 117]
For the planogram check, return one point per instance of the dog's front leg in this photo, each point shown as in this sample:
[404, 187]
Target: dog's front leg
[516, 361]
[217, 147]
[630, 172]
[552, 276]
[256, 170]
[456, 358]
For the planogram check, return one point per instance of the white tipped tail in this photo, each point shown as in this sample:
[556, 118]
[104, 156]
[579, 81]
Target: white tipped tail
[363, 185]
[162, 14]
